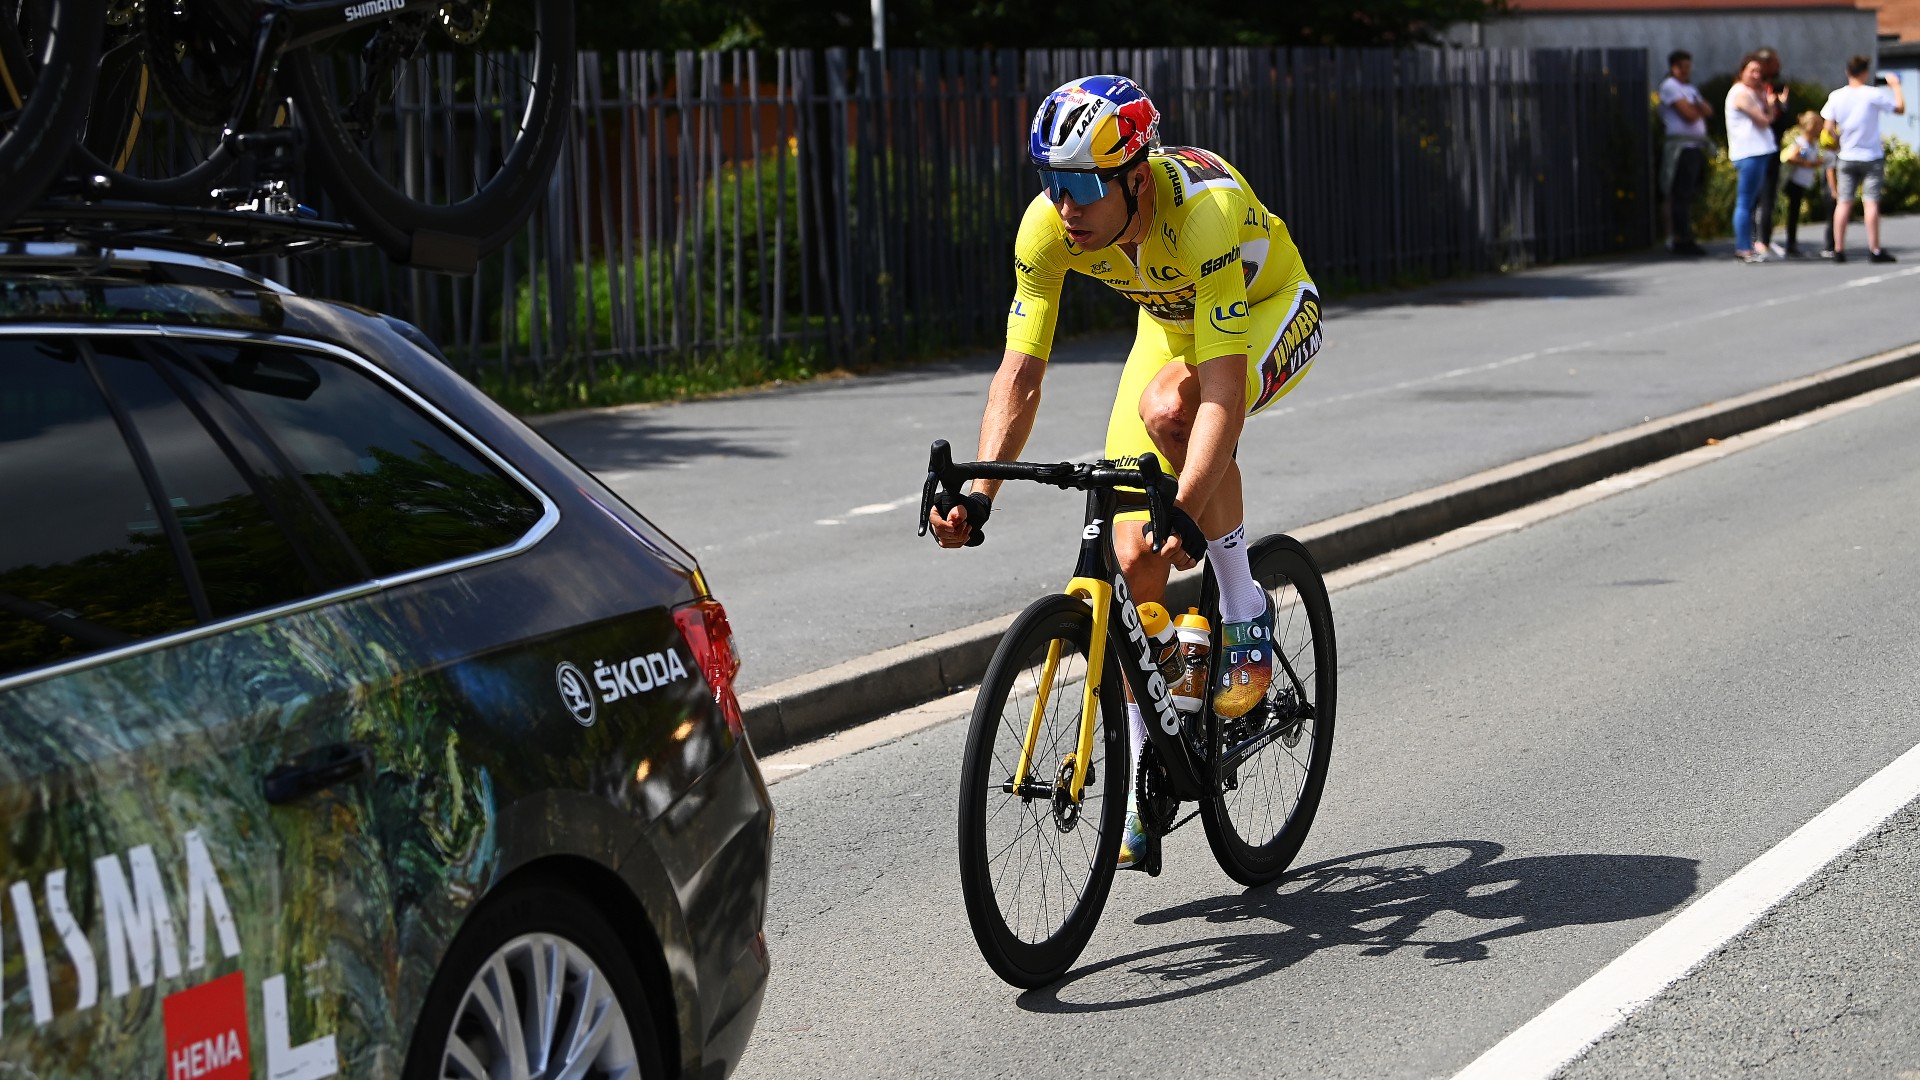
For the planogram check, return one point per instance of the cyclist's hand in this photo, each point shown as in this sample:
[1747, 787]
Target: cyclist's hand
[956, 527]
[1187, 544]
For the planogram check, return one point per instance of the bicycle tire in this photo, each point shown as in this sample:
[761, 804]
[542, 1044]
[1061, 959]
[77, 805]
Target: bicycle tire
[449, 236]
[119, 147]
[1253, 843]
[1024, 958]
[35, 147]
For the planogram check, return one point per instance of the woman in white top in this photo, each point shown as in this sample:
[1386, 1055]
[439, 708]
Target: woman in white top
[1751, 107]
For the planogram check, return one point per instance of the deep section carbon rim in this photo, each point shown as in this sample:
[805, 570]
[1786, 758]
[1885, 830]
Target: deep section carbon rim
[1040, 851]
[1035, 866]
[1274, 759]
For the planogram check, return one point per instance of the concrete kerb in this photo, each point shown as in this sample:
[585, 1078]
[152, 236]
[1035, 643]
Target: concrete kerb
[822, 702]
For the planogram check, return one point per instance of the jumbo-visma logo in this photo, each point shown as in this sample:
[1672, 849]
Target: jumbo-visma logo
[1223, 316]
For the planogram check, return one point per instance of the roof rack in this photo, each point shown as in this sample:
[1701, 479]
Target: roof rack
[71, 258]
[221, 234]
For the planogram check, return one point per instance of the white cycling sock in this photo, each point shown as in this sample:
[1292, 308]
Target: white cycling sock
[1136, 741]
[1240, 598]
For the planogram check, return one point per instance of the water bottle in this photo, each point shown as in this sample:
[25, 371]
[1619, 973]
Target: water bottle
[1196, 642]
[1166, 645]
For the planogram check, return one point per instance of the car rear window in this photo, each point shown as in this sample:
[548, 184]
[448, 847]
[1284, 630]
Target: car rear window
[405, 491]
[85, 563]
[245, 559]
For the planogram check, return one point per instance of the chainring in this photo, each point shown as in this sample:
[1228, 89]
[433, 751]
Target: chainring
[1154, 793]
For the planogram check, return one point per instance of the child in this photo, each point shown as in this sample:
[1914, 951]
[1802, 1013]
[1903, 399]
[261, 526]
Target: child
[1802, 156]
[1830, 165]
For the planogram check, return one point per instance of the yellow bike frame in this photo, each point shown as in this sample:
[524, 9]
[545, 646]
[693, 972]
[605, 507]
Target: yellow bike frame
[1100, 595]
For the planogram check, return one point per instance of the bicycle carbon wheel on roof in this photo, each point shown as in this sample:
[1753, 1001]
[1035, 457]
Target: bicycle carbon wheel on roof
[1268, 794]
[1035, 869]
[477, 90]
[48, 51]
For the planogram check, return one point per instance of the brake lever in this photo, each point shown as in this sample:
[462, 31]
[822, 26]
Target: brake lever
[938, 462]
[1156, 504]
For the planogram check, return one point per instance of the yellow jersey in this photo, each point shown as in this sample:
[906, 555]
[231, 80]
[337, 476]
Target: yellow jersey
[1212, 253]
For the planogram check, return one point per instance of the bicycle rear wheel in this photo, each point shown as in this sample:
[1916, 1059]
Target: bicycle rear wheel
[435, 132]
[48, 49]
[1276, 757]
[1035, 868]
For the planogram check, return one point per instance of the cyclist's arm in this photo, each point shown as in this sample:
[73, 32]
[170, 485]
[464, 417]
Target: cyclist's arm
[1012, 403]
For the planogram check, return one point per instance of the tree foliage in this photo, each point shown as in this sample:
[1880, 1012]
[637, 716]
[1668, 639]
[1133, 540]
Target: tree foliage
[689, 24]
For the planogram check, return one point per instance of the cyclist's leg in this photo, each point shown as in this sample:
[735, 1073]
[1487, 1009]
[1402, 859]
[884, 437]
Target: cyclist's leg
[1284, 335]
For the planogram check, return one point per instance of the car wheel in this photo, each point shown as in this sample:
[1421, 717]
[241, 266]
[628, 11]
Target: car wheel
[536, 985]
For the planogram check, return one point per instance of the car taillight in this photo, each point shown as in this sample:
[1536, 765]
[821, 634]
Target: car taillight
[704, 625]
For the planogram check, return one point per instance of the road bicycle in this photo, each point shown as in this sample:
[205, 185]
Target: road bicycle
[1043, 785]
[433, 126]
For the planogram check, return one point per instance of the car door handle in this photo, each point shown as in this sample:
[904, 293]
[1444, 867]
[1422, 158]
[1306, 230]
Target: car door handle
[316, 771]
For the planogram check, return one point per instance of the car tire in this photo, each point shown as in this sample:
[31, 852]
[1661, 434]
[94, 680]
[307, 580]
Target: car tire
[496, 968]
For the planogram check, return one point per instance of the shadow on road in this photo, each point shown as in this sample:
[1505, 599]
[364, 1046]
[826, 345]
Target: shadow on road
[1378, 903]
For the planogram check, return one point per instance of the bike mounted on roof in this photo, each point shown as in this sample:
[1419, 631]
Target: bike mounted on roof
[433, 127]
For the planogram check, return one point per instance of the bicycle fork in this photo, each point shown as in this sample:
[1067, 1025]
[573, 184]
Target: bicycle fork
[1099, 595]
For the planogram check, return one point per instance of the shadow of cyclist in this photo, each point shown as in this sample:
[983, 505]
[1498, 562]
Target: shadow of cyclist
[1380, 902]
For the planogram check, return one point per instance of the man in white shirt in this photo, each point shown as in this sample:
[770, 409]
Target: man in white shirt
[1683, 160]
[1852, 114]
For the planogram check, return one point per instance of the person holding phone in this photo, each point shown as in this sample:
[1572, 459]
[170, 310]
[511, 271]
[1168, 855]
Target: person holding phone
[1852, 114]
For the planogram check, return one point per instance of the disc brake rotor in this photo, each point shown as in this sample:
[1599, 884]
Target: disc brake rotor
[1066, 812]
[465, 20]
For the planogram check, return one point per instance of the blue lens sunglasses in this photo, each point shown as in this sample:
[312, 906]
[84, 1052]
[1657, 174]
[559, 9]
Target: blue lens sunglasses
[1084, 187]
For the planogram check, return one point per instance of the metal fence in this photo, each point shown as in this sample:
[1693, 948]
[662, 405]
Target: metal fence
[862, 204]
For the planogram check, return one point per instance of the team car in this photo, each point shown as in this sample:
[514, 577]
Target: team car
[347, 728]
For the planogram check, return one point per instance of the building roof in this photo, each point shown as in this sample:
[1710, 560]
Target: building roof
[1897, 17]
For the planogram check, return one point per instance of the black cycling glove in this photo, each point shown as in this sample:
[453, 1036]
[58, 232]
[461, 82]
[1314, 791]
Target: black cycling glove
[1182, 526]
[979, 508]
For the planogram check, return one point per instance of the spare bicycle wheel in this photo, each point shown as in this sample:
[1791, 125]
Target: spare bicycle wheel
[47, 54]
[169, 78]
[435, 131]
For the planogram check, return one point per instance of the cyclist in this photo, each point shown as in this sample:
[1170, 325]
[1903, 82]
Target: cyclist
[1229, 322]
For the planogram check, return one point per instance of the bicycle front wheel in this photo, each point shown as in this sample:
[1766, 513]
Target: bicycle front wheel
[1271, 764]
[1035, 865]
[435, 132]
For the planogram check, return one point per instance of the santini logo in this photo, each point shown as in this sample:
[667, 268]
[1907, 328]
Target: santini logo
[1220, 261]
[373, 7]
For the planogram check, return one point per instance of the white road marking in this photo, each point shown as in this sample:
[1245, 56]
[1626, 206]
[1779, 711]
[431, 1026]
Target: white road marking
[1557, 1036]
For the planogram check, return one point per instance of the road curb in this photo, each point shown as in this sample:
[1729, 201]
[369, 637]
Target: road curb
[822, 702]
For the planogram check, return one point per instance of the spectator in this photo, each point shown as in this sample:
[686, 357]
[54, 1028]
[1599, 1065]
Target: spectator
[1783, 122]
[1750, 111]
[1805, 160]
[1683, 160]
[1853, 113]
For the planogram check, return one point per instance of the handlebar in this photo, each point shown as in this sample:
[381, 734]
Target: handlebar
[943, 473]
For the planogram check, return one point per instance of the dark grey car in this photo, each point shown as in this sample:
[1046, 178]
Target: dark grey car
[346, 727]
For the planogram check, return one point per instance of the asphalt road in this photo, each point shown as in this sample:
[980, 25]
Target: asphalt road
[1549, 744]
[801, 502]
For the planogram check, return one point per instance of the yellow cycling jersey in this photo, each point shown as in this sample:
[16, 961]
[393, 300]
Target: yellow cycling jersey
[1213, 251]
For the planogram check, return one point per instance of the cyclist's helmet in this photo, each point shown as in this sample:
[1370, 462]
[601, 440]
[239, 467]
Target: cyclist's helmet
[1098, 123]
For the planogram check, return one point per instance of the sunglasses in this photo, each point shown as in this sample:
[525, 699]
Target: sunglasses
[1083, 187]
